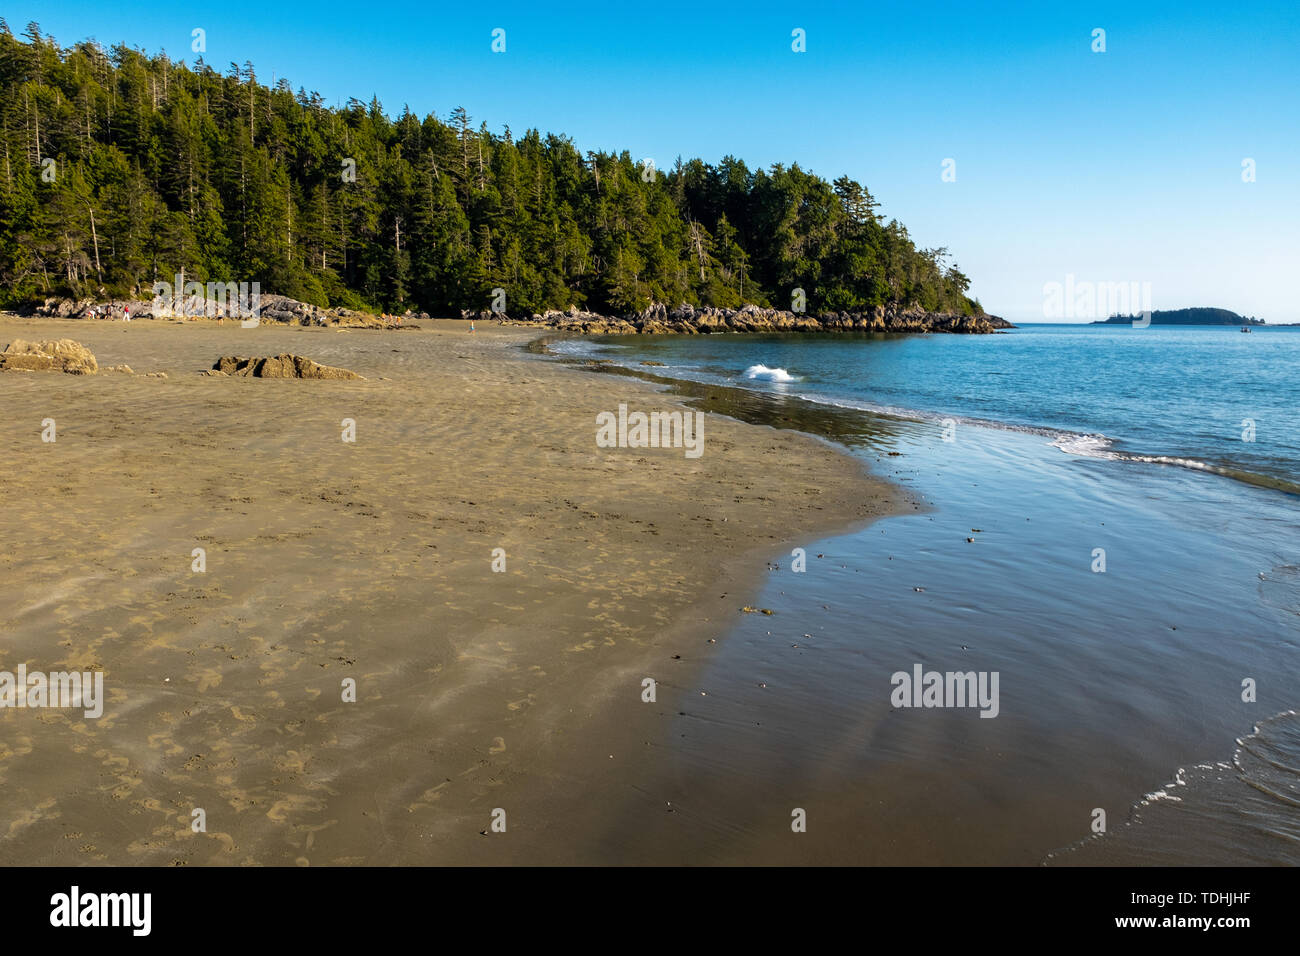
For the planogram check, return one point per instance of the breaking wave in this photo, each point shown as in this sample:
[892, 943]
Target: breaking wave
[765, 374]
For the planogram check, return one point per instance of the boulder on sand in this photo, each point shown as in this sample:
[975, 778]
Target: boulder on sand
[56, 355]
[283, 365]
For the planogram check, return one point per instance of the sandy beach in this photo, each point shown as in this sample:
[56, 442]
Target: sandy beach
[372, 560]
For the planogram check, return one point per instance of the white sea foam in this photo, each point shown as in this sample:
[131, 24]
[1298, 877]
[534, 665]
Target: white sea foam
[581, 347]
[1089, 446]
[1260, 785]
[1071, 443]
[1151, 798]
[1099, 446]
[763, 373]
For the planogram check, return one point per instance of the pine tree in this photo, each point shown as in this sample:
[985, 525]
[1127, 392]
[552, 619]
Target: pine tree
[161, 168]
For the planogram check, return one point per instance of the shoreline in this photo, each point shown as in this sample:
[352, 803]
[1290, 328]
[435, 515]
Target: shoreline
[1106, 449]
[219, 692]
[726, 767]
[709, 320]
[655, 319]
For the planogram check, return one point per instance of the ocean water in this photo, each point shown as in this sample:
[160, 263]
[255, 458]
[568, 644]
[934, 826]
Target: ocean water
[1202, 397]
[1089, 525]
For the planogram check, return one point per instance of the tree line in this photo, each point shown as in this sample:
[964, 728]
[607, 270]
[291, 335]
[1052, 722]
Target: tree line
[123, 168]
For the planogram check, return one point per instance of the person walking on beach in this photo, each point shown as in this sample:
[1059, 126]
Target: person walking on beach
[126, 313]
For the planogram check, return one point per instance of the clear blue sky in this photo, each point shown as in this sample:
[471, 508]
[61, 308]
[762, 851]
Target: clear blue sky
[1116, 167]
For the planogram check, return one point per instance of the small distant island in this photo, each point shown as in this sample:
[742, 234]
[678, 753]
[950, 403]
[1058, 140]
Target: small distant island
[1197, 316]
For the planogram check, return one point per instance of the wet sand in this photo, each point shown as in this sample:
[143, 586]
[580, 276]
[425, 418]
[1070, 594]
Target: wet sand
[1120, 692]
[327, 560]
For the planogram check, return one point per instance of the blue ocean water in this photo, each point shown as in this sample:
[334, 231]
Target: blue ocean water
[1123, 686]
[1202, 396]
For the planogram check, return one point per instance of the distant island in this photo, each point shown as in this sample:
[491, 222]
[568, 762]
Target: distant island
[1197, 316]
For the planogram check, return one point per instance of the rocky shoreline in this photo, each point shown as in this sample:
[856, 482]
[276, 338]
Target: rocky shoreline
[272, 308]
[693, 320]
[658, 319]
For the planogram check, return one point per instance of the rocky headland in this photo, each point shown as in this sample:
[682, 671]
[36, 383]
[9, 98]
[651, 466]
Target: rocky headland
[696, 320]
[658, 319]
